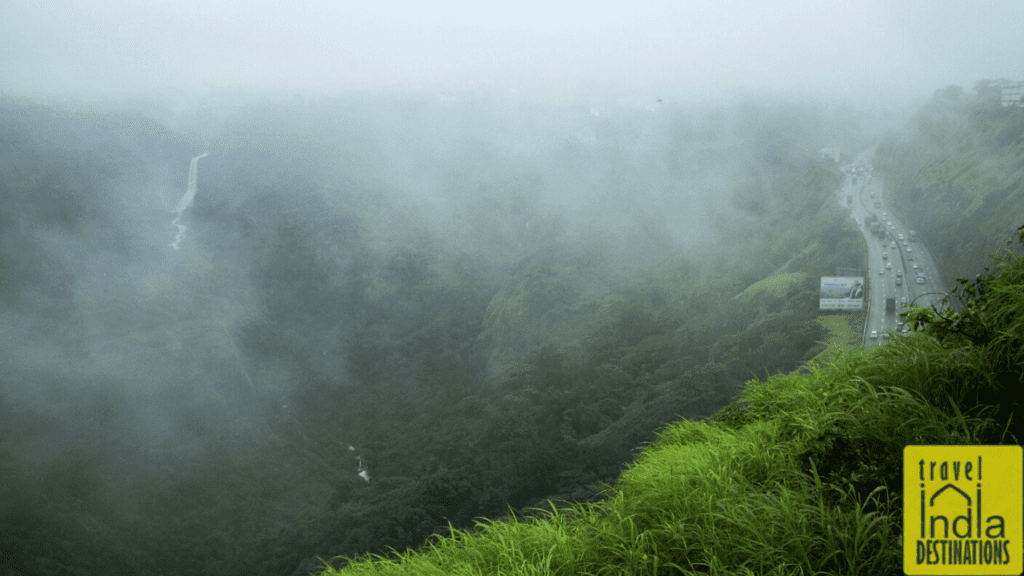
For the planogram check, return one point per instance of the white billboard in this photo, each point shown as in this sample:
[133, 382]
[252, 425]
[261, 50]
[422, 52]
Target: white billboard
[842, 293]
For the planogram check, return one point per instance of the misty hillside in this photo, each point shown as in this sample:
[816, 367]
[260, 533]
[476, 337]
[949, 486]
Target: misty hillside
[802, 474]
[388, 315]
[957, 173]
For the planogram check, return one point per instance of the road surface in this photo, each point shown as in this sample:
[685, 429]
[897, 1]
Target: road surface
[888, 255]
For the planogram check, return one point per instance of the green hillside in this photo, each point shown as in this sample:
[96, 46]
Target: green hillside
[802, 474]
[480, 325]
[956, 175]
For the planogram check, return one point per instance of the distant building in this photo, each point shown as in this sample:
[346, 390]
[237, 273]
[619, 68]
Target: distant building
[1011, 94]
[829, 154]
[1004, 92]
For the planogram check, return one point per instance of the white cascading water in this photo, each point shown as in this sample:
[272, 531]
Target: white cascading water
[363, 473]
[186, 200]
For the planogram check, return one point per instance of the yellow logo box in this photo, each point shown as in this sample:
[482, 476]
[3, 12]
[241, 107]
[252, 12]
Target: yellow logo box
[962, 510]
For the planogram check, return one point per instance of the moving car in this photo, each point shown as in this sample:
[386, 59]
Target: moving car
[874, 333]
[888, 265]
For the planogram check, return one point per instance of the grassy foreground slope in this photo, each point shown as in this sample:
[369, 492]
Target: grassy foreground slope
[801, 475]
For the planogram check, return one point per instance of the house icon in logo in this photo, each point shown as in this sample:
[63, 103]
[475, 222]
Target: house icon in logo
[952, 490]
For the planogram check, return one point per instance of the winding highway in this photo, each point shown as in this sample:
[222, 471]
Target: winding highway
[898, 266]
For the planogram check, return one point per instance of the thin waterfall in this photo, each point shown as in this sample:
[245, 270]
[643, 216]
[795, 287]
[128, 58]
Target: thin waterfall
[363, 472]
[186, 200]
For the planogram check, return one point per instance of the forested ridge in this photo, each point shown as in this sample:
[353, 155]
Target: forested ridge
[453, 323]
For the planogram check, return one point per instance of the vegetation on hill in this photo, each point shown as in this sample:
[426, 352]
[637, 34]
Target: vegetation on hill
[478, 324]
[802, 474]
[956, 175]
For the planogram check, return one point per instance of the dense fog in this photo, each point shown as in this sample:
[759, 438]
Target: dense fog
[229, 355]
[284, 284]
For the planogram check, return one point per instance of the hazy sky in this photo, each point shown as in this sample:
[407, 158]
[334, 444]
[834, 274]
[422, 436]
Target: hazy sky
[674, 48]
